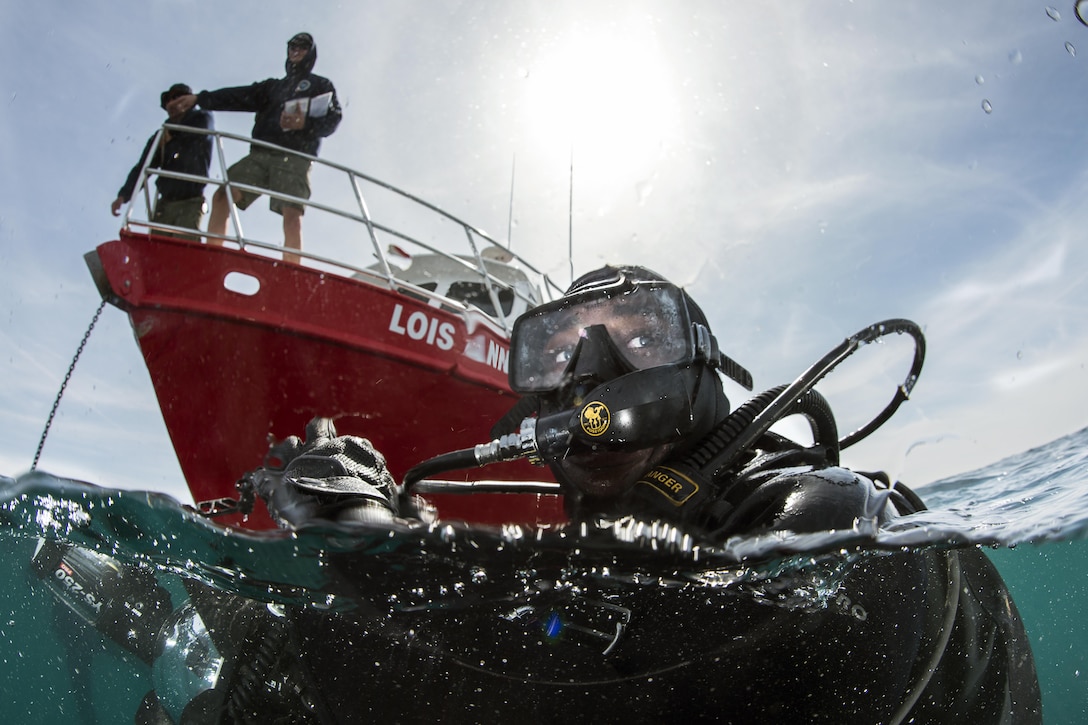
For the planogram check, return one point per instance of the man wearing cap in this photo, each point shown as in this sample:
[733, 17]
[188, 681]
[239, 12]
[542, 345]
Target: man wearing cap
[178, 203]
[294, 112]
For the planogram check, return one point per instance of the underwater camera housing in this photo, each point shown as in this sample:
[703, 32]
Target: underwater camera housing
[123, 602]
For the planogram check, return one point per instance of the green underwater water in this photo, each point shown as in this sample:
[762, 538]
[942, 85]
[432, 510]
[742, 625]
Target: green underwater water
[1049, 584]
[55, 669]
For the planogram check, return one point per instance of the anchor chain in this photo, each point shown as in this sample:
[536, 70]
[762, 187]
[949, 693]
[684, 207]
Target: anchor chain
[67, 377]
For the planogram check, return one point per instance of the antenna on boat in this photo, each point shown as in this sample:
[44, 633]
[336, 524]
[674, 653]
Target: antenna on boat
[570, 218]
[510, 216]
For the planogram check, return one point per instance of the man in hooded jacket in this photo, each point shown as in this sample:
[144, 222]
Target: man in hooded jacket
[294, 112]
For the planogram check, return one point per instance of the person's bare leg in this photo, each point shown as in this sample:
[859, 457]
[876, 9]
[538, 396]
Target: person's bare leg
[217, 220]
[292, 233]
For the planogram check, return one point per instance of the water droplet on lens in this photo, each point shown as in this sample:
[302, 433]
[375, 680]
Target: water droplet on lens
[1070, 49]
[986, 106]
[1016, 57]
[979, 80]
[1053, 13]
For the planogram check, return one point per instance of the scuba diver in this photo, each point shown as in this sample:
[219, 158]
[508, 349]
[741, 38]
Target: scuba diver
[623, 399]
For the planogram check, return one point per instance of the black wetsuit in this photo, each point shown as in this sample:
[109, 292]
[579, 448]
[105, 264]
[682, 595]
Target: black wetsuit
[186, 153]
[919, 636]
[266, 99]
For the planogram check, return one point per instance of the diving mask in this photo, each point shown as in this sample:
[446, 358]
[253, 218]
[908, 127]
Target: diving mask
[648, 325]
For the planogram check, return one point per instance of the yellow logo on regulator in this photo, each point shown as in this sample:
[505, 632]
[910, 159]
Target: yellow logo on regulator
[595, 418]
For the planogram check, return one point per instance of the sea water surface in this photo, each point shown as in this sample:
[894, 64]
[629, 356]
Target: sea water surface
[1029, 511]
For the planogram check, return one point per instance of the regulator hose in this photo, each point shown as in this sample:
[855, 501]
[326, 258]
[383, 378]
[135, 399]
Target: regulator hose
[454, 460]
[782, 403]
[811, 404]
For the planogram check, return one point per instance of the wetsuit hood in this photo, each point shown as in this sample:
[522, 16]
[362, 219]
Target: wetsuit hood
[306, 65]
[610, 327]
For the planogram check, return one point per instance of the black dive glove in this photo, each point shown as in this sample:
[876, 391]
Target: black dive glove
[329, 477]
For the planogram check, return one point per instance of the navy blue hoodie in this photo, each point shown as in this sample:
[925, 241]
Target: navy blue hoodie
[187, 153]
[267, 98]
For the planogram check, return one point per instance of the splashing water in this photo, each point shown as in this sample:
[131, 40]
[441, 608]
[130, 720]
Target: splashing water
[1038, 496]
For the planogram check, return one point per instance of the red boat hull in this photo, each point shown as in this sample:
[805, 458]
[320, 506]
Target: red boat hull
[234, 369]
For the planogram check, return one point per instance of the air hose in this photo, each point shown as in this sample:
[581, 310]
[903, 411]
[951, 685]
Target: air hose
[811, 405]
[452, 461]
[784, 402]
[694, 487]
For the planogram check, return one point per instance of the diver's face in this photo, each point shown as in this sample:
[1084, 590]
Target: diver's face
[568, 339]
[642, 340]
[601, 474]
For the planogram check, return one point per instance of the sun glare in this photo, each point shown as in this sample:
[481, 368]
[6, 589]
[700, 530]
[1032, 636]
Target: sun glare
[605, 96]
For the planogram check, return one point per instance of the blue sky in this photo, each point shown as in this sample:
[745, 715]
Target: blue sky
[804, 170]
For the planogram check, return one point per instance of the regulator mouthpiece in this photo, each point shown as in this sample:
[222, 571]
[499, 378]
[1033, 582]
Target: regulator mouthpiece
[642, 409]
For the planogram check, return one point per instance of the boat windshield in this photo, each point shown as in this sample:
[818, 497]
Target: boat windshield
[476, 294]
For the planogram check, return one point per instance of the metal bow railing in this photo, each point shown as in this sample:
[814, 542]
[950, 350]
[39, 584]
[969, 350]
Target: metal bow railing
[358, 228]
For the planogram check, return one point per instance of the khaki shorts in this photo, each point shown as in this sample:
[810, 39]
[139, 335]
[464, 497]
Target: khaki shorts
[180, 213]
[280, 172]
